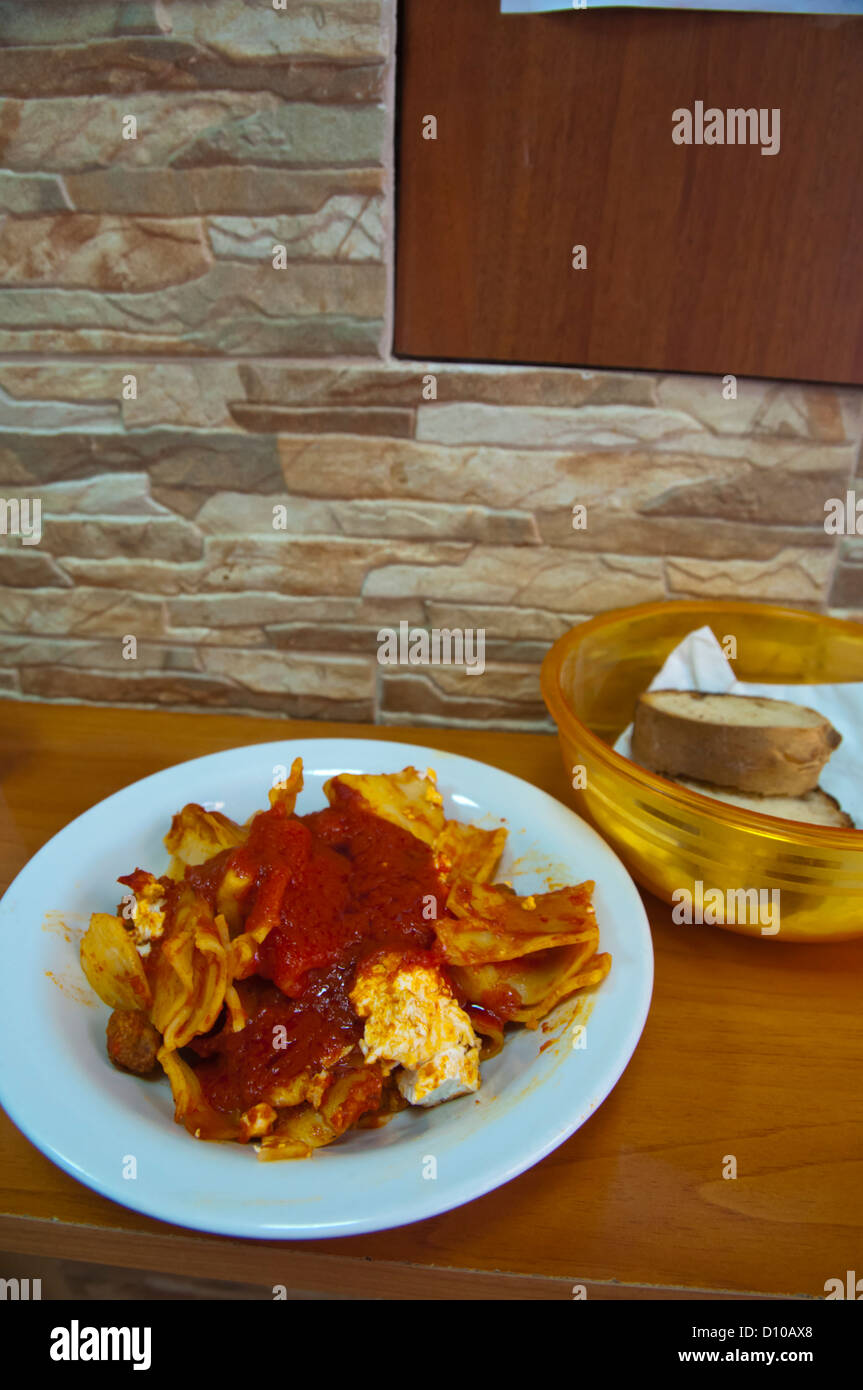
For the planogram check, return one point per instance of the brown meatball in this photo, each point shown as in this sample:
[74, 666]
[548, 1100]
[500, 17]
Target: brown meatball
[132, 1041]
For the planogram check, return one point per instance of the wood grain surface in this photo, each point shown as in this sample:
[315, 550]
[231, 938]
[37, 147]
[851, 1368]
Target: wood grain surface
[555, 130]
[752, 1048]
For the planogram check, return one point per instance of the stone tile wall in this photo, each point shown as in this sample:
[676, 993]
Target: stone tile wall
[164, 386]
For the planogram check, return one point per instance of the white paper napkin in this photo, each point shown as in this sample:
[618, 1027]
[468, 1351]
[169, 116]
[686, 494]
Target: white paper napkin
[699, 663]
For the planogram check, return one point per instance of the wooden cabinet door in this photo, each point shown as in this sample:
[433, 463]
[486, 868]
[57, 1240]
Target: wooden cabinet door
[555, 131]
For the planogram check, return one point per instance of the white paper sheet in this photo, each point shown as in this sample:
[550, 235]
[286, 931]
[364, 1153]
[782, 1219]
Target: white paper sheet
[699, 663]
[754, 6]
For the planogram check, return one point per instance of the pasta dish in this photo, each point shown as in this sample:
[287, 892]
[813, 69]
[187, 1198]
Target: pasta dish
[298, 976]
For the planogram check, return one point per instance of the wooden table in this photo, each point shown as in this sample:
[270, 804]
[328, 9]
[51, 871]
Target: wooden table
[751, 1049]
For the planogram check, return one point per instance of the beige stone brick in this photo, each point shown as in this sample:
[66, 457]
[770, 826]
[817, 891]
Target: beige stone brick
[829, 413]
[701, 398]
[429, 520]
[501, 650]
[773, 483]
[346, 228]
[758, 450]
[294, 335]
[56, 415]
[782, 409]
[184, 466]
[809, 412]
[106, 495]
[187, 467]
[22, 568]
[610, 426]
[237, 611]
[300, 565]
[401, 383]
[65, 134]
[30, 193]
[798, 576]
[74, 250]
[223, 189]
[290, 135]
[763, 483]
[142, 64]
[192, 396]
[146, 538]
[60, 396]
[419, 698]
[220, 637]
[94, 385]
[701, 536]
[349, 466]
[334, 29]
[503, 623]
[247, 514]
[529, 576]
[103, 655]
[316, 636]
[509, 682]
[331, 677]
[384, 611]
[79, 612]
[55, 21]
[371, 420]
[144, 576]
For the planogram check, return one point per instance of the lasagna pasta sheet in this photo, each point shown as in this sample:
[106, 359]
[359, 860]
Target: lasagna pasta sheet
[468, 853]
[112, 964]
[196, 835]
[403, 798]
[190, 972]
[492, 923]
[526, 990]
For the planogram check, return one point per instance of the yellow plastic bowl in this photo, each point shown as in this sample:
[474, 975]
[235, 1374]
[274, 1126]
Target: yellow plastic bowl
[671, 838]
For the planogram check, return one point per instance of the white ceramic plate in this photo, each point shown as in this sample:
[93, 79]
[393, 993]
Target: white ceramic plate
[58, 1086]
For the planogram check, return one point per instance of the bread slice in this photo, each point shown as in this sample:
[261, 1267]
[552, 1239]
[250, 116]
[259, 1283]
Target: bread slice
[816, 807]
[747, 742]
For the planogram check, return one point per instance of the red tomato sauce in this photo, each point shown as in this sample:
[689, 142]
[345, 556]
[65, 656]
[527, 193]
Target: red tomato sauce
[338, 885]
